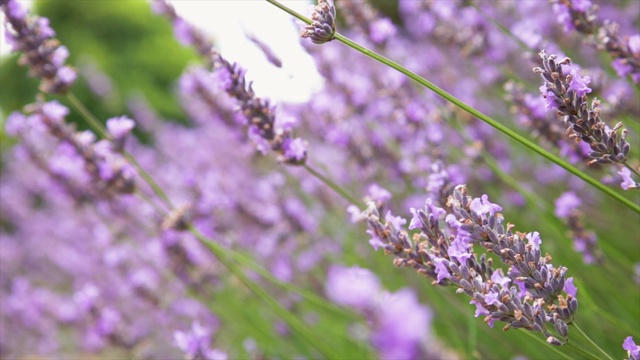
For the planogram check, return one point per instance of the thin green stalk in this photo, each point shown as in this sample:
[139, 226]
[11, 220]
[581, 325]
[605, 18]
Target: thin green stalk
[292, 321]
[335, 187]
[591, 341]
[97, 126]
[452, 99]
[93, 122]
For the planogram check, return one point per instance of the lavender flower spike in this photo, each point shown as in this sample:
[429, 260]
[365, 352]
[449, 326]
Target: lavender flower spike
[323, 25]
[567, 94]
[531, 294]
[32, 36]
[264, 130]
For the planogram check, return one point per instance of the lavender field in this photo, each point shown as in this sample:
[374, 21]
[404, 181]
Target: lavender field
[464, 185]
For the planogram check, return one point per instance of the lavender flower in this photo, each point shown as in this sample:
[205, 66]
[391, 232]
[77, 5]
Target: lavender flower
[323, 26]
[264, 130]
[399, 322]
[567, 94]
[584, 241]
[625, 51]
[79, 161]
[183, 31]
[32, 36]
[449, 260]
[627, 181]
[633, 350]
[196, 344]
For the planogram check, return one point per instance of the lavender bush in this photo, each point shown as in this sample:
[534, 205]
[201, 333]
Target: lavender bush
[251, 231]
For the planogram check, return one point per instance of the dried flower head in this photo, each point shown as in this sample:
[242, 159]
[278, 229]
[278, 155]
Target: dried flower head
[323, 25]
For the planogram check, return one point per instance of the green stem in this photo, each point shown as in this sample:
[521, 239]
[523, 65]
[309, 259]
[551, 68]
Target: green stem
[452, 99]
[93, 122]
[334, 187]
[97, 126]
[591, 341]
[292, 321]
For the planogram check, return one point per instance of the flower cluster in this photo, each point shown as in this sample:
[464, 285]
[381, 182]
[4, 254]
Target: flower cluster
[34, 38]
[323, 23]
[87, 169]
[584, 241]
[528, 295]
[400, 323]
[264, 130]
[581, 16]
[183, 31]
[567, 94]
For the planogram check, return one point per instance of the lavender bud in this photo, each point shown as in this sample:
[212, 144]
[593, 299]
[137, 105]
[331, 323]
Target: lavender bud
[323, 26]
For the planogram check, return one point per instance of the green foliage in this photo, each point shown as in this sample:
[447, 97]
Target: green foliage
[126, 41]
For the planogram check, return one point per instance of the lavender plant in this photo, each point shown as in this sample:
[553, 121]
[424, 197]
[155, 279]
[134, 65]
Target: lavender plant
[188, 242]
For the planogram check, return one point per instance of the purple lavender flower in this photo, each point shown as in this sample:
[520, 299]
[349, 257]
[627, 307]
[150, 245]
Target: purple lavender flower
[627, 181]
[449, 260]
[196, 343]
[259, 114]
[633, 350]
[566, 203]
[579, 83]
[354, 287]
[323, 26]
[101, 170]
[44, 55]
[567, 95]
[184, 32]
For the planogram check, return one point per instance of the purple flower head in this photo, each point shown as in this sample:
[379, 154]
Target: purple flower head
[59, 56]
[396, 221]
[579, 83]
[622, 67]
[498, 278]
[66, 75]
[119, 127]
[433, 209]
[566, 203]
[415, 222]
[262, 144]
[633, 350]
[16, 10]
[441, 269]
[492, 298]
[223, 78]
[355, 287]
[54, 111]
[404, 325]
[375, 241]
[378, 194]
[15, 123]
[44, 28]
[533, 238]
[627, 181]
[480, 310]
[194, 342]
[549, 98]
[323, 26]
[482, 206]
[86, 297]
[570, 288]
[459, 250]
[182, 32]
[381, 30]
[295, 150]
